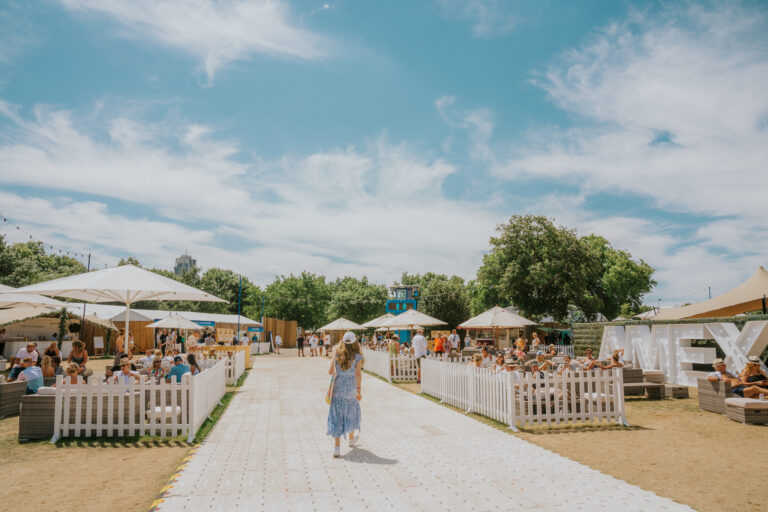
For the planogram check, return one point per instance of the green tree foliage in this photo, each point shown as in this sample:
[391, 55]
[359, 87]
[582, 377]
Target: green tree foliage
[26, 263]
[130, 260]
[445, 298]
[543, 269]
[356, 299]
[225, 284]
[303, 298]
[623, 282]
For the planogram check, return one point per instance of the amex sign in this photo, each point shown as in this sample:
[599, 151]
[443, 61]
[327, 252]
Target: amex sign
[667, 347]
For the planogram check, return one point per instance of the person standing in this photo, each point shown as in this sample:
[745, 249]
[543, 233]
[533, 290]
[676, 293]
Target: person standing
[344, 415]
[419, 350]
[300, 345]
[454, 342]
[327, 343]
[278, 343]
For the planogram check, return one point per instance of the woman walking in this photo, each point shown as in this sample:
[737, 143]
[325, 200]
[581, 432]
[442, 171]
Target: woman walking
[344, 415]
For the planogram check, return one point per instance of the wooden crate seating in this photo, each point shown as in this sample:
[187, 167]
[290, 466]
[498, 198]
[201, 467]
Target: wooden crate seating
[712, 395]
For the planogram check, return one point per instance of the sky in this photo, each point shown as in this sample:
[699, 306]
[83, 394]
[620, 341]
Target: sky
[363, 138]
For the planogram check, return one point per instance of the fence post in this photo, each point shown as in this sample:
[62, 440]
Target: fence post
[471, 389]
[192, 410]
[618, 387]
[511, 403]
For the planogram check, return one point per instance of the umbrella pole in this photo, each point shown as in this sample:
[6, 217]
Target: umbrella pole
[127, 335]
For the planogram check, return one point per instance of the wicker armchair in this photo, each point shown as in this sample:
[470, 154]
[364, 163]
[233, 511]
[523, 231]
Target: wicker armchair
[712, 395]
[36, 417]
[10, 397]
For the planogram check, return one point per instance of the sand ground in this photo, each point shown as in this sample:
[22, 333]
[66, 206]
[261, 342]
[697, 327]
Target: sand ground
[672, 448]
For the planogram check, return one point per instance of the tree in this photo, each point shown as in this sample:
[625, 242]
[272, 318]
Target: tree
[303, 298]
[544, 269]
[356, 299]
[623, 282]
[224, 284]
[25, 263]
[445, 298]
[130, 260]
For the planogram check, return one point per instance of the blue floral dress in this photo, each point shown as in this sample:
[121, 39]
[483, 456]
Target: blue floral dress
[344, 415]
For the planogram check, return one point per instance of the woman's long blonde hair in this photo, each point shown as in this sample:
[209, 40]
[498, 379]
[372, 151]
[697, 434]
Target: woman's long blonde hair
[45, 363]
[345, 354]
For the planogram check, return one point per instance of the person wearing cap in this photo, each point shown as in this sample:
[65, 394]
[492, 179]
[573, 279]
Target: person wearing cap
[31, 374]
[116, 367]
[419, 350]
[738, 387]
[541, 359]
[125, 374]
[179, 369]
[344, 415]
[753, 373]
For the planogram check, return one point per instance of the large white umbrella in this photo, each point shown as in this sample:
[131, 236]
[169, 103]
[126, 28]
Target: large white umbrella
[125, 284]
[376, 322]
[341, 324]
[9, 298]
[174, 321]
[411, 319]
[496, 318]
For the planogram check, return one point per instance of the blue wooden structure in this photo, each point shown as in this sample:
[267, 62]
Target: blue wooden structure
[404, 298]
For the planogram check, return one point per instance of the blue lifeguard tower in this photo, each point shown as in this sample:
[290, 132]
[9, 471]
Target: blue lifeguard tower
[404, 298]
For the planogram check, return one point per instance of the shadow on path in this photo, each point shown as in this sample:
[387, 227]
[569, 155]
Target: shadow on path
[364, 456]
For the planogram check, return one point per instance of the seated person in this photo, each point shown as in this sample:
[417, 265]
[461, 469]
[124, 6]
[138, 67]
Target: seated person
[111, 371]
[589, 362]
[146, 361]
[551, 351]
[498, 366]
[487, 361]
[156, 371]
[31, 374]
[126, 374]
[569, 365]
[477, 361]
[722, 373]
[57, 368]
[541, 360]
[46, 365]
[29, 351]
[753, 374]
[193, 366]
[615, 362]
[178, 370]
[73, 371]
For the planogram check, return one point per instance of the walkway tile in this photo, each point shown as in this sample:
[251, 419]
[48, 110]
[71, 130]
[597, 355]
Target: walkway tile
[269, 452]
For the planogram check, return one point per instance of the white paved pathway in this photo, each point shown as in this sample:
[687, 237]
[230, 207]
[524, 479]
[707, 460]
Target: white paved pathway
[269, 452]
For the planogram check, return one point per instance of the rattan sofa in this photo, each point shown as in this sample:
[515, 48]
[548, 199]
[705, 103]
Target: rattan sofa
[10, 397]
[712, 395]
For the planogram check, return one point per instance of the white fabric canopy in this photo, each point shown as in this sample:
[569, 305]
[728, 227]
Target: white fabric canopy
[10, 299]
[124, 284]
[410, 319]
[496, 317]
[174, 321]
[341, 324]
[376, 322]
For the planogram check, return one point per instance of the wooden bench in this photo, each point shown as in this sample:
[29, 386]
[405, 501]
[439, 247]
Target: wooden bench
[747, 410]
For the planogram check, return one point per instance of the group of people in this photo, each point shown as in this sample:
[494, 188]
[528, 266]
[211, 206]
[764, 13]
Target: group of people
[316, 345]
[512, 360]
[752, 382]
[29, 366]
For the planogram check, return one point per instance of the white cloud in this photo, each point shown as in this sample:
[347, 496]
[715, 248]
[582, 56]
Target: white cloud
[489, 18]
[668, 106]
[214, 32]
[375, 210]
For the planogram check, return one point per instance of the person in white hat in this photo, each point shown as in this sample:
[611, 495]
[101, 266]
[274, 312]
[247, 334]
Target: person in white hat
[344, 414]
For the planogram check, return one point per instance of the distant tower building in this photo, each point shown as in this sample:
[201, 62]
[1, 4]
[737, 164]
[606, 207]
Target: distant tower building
[184, 263]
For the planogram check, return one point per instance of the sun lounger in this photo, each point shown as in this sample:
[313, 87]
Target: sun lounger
[712, 395]
[747, 410]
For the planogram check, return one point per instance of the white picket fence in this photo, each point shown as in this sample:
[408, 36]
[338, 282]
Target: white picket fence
[525, 399]
[235, 365]
[399, 368]
[146, 407]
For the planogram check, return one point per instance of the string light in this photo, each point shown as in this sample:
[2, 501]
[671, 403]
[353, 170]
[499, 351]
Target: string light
[51, 247]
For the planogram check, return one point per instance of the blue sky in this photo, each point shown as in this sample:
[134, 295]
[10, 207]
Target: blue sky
[368, 138]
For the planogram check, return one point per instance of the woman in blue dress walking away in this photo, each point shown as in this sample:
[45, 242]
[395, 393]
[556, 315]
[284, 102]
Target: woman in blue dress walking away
[344, 415]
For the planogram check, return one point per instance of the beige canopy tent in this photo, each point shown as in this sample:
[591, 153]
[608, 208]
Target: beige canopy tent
[13, 315]
[748, 296]
[376, 322]
[411, 319]
[496, 318]
[341, 324]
